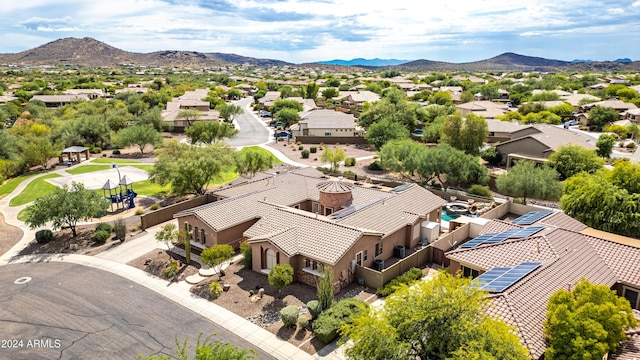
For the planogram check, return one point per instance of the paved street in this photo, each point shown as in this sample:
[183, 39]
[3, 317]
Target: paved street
[74, 311]
[252, 131]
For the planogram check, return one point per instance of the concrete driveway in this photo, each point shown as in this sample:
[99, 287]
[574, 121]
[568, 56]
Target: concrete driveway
[62, 311]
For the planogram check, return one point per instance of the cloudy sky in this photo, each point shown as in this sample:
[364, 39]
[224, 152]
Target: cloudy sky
[301, 31]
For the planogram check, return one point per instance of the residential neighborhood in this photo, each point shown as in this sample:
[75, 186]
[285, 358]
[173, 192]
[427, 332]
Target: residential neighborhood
[264, 200]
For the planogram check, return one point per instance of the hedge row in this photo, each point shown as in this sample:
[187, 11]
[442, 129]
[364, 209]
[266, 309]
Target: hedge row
[409, 277]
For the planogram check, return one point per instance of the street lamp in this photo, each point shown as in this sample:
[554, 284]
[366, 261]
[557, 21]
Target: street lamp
[115, 166]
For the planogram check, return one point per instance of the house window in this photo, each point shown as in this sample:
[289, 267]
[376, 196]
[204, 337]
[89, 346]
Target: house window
[469, 272]
[196, 234]
[315, 207]
[203, 236]
[190, 232]
[327, 133]
[296, 206]
[632, 297]
[359, 258]
[271, 259]
[328, 211]
[365, 256]
[307, 263]
[378, 248]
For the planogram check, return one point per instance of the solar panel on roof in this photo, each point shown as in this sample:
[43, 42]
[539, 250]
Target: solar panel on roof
[491, 274]
[507, 278]
[478, 240]
[531, 217]
[401, 188]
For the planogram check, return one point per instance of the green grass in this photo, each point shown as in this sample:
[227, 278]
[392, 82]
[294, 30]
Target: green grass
[36, 189]
[22, 215]
[146, 188]
[87, 169]
[117, 161]
[12, 184]
[274, 159]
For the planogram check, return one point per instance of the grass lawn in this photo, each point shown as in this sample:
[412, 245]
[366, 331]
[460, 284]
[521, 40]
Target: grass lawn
[146, 188]
[117, 161]
[87, 169]
[36, 189]
[12, 184]
[22, 215]
[274, 159]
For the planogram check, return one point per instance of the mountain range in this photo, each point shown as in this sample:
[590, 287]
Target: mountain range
[93, 53]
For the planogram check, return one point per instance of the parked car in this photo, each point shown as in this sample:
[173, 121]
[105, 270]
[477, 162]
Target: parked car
[282, 134]
[417, 132]
[265, 114]
[571, 123]
[276, 124]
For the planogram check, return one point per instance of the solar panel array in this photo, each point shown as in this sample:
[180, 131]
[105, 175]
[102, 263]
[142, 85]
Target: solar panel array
[498, 279]
[531, 217]
[491, 238]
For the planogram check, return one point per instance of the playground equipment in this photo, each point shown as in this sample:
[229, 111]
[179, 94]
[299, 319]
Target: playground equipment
[123, 196]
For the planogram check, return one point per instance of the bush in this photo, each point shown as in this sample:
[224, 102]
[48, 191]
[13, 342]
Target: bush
[480, 190]
[120, 229]
[116, 152]
[313, 149]
[101, 236]
[44, 236]
[303, 321]
[245, 249]
[139, 211]
[305, 154]
[95, 150]
[375, 165]
[155, 206]
[104, 226]
[314, 308]
[215, 289]
[300, 147]
[171, 270]
[289, 315]
[327, 326]
[631, 145]
[409, 277]
[350, 161]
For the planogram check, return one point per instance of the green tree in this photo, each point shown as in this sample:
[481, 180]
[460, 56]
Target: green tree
[189, 115]
[587, 322]
[39, 151]
[138, 135]
[600, 116]
[333, 156]
[66, 207]
[447, 319]
[234, 94]
[526, 180]
[280, 276]
[208, 132]
[189, 169]
[285, 103]
[542, 117]
[205, 350]
[467, 134]
[287, 116]
[381, 132]
[250, 162]
[605, 145]
[329, 93]
[564, 110]
[571, 159]
[228, 111]
[311, 90]
[168, 235]
[216, 255]
[511, 116]
[324, 288]
[492, 156]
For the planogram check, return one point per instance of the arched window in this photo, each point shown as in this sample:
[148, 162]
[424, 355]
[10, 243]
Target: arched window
[203, 236]
[196, 234]
[271, 259]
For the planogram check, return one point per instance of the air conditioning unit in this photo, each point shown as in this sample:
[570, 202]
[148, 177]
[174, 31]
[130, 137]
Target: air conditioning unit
[353, 266]
[378, 265]
[398, 251]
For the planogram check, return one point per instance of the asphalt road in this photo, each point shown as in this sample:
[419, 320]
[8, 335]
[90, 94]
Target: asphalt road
[69, 311]
[252, 131]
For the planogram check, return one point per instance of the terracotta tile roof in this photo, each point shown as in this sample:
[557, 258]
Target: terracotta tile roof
[335, 186]
[498, 226]
[300, 233]
[567, 256]
[629, 349]
[563, 221]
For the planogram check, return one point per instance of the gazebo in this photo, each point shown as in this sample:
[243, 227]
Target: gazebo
[73, 154]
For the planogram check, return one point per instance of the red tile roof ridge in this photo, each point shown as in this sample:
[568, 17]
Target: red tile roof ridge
[513, 318]
[322, 218]
[590, 240]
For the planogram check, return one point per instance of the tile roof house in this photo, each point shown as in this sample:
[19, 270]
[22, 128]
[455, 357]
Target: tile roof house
[59, 100]
[539, 145]
[91, 93]
[190, 100]
[324, 125]
[307, 221]
[565, 255]
[488, 109]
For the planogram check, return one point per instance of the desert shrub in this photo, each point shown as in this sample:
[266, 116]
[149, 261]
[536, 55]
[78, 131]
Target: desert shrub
[480, 190]
[120, 229]
[215, 289]
[313, 149]
[350, 161]
[139, 211]
[104, 226]
[303, 321]
[95, 150]
[299, 143]
[375, 165]
[327, 326]
[101, 236]
[44, 236]
[409, 277]
[289, 315]
[631, 145]
[245, 249]
[171, 269]
[116, 152]
[314, 308]
[300, 147]
[348, 172]
[305, 154]
[155, 206]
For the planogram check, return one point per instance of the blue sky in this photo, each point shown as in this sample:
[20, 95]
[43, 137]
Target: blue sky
[301, 31]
